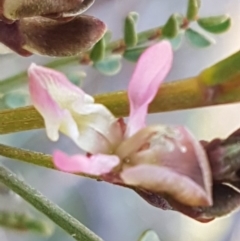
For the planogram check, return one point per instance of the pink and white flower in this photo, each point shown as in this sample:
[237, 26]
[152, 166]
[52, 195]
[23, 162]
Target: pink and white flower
[161, 159]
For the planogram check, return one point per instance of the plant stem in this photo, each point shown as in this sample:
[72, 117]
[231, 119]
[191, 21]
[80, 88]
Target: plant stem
[178, 95]
[31, 157]
[211, 87]
[172, 96]
[72, 226]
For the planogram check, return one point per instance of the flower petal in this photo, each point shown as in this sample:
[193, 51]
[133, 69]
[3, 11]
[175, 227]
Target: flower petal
[186, 156]
[43, 89]
[152, 67]
[137, 141]
[100, 119]
[225, 201]
[50, 93]
[170, 147]
[93, 165]
[68, 109]
[167, 181]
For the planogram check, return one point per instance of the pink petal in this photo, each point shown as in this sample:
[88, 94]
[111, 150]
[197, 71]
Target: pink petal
[68, 109]
[152, 67]
[134, 143]
[42, 95]
[93, 165]
[170, 147]
[167, 181]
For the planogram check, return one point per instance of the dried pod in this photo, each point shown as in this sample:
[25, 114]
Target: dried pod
[52, 38]
[14, 10]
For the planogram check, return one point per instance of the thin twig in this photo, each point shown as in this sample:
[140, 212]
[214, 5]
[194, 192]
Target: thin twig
[71, 225]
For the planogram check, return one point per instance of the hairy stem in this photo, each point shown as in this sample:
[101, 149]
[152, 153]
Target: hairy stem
[72, 226]
[177, 95]
[218, 84]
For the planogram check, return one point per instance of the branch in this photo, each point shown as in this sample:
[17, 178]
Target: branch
[218, 84]
[72, 226]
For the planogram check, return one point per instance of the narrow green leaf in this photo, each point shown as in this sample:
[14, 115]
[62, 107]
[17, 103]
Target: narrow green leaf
[109, 66]
[98, 51]
[192, 10]
[130, 33]
[198, 39]
[16, 99]
[133, 54]
[216, 24]
[149, 235]
[171, 28]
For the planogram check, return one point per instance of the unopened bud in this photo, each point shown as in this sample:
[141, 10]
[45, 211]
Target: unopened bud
[52, 38]
[224, 158]
[14, 10]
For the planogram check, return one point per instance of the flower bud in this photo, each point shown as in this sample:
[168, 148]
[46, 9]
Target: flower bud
[53, 38]
[14, 10]
[224, 158]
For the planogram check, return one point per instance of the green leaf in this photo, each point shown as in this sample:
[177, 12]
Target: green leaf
[135, 16]
[171, 28]
[98, 51]
[216, 24]
[107, 37]
[130, 33]
[177, 41]
[180, 19]
[109, 66]
[16, 99]
[149, 235]
[76, 77]
[198, 39]
[192, 10]
[133, 54]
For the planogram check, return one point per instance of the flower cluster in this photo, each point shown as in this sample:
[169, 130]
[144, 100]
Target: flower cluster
[166, 165]
[48, 27]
